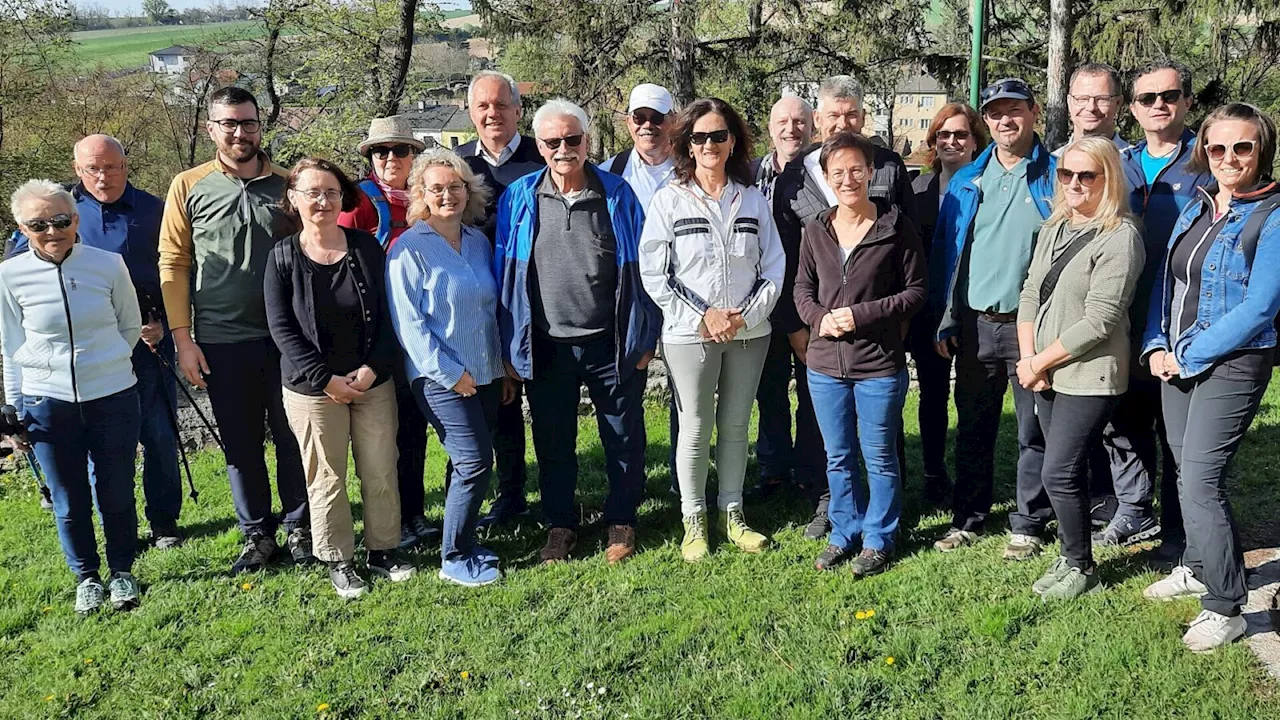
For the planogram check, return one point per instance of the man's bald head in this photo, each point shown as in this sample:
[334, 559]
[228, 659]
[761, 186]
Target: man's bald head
[790, 128]
[101, 166]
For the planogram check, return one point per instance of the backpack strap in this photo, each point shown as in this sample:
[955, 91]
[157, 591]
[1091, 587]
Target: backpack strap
[619, 164]
[382, 206]
[1060, 264]
[1252, 230]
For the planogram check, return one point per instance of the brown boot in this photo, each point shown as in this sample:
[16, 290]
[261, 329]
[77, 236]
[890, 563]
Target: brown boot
[560, 542]
[622, 543]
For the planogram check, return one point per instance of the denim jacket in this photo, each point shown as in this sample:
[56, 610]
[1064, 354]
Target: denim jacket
[1235, 310]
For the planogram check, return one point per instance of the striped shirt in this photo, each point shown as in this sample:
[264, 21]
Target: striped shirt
[444, 306]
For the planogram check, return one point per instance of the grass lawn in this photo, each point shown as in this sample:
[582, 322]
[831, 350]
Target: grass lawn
[129, 47]
[954, 636]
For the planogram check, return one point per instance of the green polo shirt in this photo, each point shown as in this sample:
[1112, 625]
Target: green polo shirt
[1004, 232]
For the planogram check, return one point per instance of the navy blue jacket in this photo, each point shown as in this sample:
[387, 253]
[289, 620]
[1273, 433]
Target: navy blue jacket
[523, 161]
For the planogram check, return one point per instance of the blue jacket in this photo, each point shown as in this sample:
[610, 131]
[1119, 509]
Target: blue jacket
[1236, 309]
[637, 322]
[954, 229]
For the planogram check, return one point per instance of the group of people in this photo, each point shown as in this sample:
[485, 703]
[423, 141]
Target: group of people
[1110, 284]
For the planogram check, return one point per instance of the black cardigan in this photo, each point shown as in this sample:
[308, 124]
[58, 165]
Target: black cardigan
[290, 299]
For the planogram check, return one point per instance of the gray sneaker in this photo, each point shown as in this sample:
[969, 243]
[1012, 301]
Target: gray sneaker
[124, 591]
[346, 581]
[819, 525]
[955, 539]
[1124, 531]
[166, 538]
[89, 596]
[1051, 576]
[1072, 584]
[299, 544]
[256, 553]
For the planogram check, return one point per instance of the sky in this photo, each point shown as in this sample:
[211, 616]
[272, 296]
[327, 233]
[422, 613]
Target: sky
[134, 7]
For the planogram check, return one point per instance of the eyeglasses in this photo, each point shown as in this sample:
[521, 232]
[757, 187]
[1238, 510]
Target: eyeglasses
[640, 117]
[1243, 149]
[718, 137]
[857, 172]
[1168, 96]
[570, 140]
[315, 196]
[61, 221]
[229, 125]
[957, 135]
[1087, 177]
[451, 188]
[1011, 86]
[382, 151]
[102, 171]
[1102, 101]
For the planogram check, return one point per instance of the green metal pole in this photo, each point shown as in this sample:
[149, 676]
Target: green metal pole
[978, 9]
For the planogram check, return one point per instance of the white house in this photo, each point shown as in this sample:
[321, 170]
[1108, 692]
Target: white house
[172, 60]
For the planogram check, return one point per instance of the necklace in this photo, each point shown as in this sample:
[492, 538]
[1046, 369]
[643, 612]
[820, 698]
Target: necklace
[323, 255]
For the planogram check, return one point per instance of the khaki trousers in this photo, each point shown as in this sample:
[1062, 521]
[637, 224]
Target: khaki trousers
[324, 428]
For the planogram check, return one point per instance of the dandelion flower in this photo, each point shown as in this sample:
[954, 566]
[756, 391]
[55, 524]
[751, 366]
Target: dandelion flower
[465, 675]
[48, 698]
[88, 661]
[860, 615]
[322, 707]
[888, 660]
[871, 613]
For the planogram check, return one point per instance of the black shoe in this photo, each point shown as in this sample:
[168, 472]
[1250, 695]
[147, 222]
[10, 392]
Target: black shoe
[424, 532]
[831, 557]
[1124, 530]
[767, 487]
[166, 537]
[390, 565]
[504, 512]
[1102, 510]
[870, 562]
[819, 525]
[46, 500]
[256, 553]
[299, 544]
[346, 581]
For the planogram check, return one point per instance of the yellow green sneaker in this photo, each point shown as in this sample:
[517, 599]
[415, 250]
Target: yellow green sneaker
[694, 546]
[734, 526]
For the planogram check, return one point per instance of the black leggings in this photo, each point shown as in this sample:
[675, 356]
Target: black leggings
[1072, 427]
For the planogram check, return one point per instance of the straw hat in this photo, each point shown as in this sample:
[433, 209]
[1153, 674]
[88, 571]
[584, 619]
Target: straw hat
[394, 130]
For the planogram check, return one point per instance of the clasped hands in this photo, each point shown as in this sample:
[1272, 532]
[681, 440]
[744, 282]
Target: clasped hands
[1031, 379]
[352, 386]
[836, 323]
[721, 324]
[1163, 365]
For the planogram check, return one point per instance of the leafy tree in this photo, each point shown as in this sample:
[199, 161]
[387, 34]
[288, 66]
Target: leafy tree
[158, 11]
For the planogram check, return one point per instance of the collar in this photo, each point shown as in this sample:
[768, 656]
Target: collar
[504, 155]
[593, 191]
[1019, 170]
[126, 199]
[1187, 139]
[266, 169]
[669, 162]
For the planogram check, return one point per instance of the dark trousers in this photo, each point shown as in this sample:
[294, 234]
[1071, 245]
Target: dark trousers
[1206, 417]
[778, 455]
[508, 447]
[559, 371]
[465, 427]
[411, 441]
[161, 483]
[1072, 426]
[987, 362]
[933, 374]
[1132, 460]
[65, 437]
[244, 390]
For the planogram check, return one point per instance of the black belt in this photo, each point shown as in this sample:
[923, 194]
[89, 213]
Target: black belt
[998, 317]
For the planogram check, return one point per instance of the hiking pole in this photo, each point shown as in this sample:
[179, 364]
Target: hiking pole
[177, 433]
[191, 399]
[11, 426]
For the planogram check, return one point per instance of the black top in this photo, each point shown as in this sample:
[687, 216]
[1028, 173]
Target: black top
[523, 161]
[338, 315]
[1193, 248]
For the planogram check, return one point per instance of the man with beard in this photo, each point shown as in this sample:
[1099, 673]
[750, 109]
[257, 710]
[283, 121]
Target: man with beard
[220, 221]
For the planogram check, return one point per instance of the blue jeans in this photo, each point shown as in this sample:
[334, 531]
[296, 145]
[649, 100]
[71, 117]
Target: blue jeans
[465, 426]
[862, 417]
[65, 437]
[161, 482]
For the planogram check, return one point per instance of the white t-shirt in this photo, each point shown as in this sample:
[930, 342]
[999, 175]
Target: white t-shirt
[815, 171]
[644, 179]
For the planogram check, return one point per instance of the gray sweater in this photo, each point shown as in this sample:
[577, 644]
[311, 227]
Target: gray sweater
[1089, 308]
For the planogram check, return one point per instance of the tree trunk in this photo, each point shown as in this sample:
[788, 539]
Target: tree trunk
[273, 95]
[683, 16]
[1060, 27]
[400, 57]
[755, 14]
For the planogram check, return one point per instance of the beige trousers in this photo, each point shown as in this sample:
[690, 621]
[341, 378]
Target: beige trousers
[324, 428]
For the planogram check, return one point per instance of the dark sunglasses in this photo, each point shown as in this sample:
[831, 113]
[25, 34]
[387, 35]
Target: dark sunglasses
[1240, 148]
[1087, 177]
[640, 117]
[400, 151]
[229, 125]
[58, 222]
[1005, 86]
[718, 137]
[1168, 96]
[570, 140]
[957, 135]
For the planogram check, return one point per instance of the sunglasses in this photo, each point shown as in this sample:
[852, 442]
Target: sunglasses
[1240, 149]
[1168, 96]
[229, 125]
[1087, 177]
[640, 118]
[957, 135]
[58, 222]
[382, 151]
[718, 137]
[570, 140]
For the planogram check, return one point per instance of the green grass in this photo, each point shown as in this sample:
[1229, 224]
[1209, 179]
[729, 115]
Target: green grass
[129, 47]
[734, 637]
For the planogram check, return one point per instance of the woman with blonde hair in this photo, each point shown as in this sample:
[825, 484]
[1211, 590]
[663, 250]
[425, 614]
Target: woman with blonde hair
[1073, 332]
[444, 307]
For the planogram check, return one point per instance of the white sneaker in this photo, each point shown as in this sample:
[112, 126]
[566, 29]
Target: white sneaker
[1180, 584]
[1210, 631]
[1023, 547]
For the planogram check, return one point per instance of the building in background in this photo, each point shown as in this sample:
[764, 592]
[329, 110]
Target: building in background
[907, 116]
[444, 125]
[172, 60]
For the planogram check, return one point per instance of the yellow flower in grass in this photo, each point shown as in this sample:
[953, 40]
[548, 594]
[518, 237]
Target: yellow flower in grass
[322, 707]
[888, 660]
[861, 615]
[870, 613]
[88, 661]
[247, 586]
[49, 698]
[465, 675]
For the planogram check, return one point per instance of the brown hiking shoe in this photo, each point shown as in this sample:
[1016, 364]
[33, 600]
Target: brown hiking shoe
[560, 542]
[622, 543]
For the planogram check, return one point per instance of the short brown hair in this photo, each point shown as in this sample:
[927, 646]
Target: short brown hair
[738, 167]
[848, 141]
[350, 193]
[1248, 113]
[945, 113]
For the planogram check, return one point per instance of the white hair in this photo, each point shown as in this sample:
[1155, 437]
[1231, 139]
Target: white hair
[39, 190]
[560, 107]
[840, 87]
[510, 81]
[119, 146]
[792, 97]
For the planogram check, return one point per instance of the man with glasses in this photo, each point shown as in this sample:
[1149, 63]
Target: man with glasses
[1093, 101]
[982, 248]
[220, 221]
[572, 311]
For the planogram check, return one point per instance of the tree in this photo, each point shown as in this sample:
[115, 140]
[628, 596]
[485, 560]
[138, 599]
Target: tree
[158, 10]
[1060, 27]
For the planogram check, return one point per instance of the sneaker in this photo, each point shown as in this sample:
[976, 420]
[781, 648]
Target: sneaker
[390, 565]
[1023, 547]
[956, 539]
[1179, 584]
[1210, 631]
[407, 538]
[299, 544]
[694, 546]
[90, 595]
[1102, 510]
[166, 537]
[622, 543]
[46, 500]
[256, 553]
[560, 542]
[831, 557]
[1124, 530]
[869, 562]
[423, 532]
[819, 525]
[124, 591]
[733, 526]
[1051, 576]
[1071, 584]
[503, 512]
[346, 581]
[474, 571]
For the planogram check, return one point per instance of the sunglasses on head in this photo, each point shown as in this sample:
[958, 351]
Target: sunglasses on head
[640, 117]
[1087, 177]
[58, 222]
[718, 137]
[400, 151]
[570, 140]
[1240, 148]
[1168, 96]
[1005, 86]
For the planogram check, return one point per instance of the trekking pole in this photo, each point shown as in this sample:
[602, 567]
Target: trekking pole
[177, 433]
[191, 399]
[9, 417]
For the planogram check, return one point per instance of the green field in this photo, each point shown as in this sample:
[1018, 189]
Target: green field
[951, 636]
[129, 47]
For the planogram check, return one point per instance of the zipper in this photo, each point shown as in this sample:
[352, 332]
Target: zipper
[1190, 259]
[71, 333]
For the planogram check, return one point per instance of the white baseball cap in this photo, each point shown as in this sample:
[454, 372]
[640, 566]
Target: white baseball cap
[648, 95]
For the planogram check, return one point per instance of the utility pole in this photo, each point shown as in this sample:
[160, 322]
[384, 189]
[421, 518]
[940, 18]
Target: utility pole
[977, 21]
